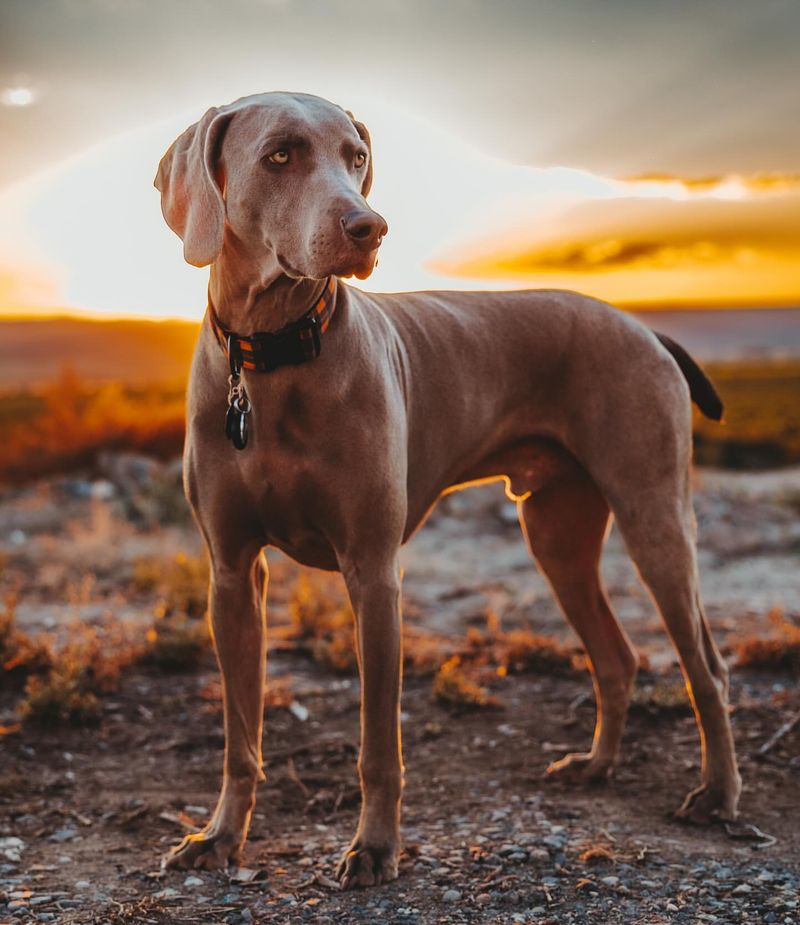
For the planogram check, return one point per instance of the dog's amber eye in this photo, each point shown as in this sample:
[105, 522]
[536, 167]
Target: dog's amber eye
[279, 157]
[361, 159]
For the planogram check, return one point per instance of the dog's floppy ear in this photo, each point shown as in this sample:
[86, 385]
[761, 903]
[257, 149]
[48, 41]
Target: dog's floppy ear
[191, 200]
[363, 134]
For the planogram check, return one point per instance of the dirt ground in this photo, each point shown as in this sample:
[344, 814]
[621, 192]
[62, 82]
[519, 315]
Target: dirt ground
[87, 813]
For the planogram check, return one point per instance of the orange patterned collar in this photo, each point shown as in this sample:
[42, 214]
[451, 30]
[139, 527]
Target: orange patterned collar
[291, 345]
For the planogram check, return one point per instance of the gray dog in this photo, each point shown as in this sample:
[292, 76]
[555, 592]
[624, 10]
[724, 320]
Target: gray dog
[581, 411]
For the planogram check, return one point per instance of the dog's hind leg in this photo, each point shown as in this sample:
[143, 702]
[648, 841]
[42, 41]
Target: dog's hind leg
[238, 619]
[565, 524]
[659, 530]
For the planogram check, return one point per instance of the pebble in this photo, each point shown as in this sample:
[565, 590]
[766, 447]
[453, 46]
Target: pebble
[166, 893]
[451, 896]
[193, 881]
[554, 841]
[11, 848]
[82, 885]
[610, 881]
[742, 889]
[483, 899]
[63, 835]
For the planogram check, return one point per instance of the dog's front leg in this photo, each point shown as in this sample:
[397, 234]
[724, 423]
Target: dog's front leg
[373, 854]
[237, 603]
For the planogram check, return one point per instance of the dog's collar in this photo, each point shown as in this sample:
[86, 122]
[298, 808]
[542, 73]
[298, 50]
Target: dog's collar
[265, 351]
[295, 343]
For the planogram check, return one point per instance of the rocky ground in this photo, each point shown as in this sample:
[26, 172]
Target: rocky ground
[87, 813]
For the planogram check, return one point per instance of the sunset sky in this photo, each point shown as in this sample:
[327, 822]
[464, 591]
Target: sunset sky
[642, 152]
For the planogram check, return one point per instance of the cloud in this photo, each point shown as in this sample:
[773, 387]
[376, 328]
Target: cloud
[721, 185]
[706, 224]
[721, 239]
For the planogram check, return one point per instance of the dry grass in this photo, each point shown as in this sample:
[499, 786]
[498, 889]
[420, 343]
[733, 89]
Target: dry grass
[20, 653]
[762, 415]
[177, 643]
[661, 696]
[87, 666]
[181, 583]
[65, 425]
[780, 652]
[518, 651]
[454, 688]
[322, 625]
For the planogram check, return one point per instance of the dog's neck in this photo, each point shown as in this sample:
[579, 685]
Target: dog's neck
[246, 301]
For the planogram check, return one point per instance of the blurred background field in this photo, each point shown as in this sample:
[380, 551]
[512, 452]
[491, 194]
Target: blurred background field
[71, 389]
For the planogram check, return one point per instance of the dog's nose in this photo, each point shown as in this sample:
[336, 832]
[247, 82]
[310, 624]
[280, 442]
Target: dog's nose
[365, 228]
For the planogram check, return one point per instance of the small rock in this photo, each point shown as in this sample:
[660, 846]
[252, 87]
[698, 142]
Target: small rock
[483, 899]
[82, 885]
[451, 896]
[196, 810]
[166, 893]
[554, 841]
[63, 835]
[742, 889]
[11, 848]
[193, 882]
[610, 881]
[298, 711]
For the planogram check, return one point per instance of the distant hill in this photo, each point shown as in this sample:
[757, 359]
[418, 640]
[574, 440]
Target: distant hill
[136, 352]
[141, 352]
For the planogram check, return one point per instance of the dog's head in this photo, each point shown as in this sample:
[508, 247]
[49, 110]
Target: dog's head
[280, 177]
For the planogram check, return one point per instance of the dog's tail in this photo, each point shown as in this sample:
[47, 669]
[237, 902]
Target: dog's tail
[701, 389]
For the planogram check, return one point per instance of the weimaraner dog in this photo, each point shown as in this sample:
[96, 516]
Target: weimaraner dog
[580, 409]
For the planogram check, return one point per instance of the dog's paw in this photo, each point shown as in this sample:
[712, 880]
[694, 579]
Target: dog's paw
[367, 865]
[708, 804]
[581, 768]
[204, 851]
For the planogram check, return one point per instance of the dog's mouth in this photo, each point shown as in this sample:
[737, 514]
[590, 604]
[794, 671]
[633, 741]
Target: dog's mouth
[361, 265]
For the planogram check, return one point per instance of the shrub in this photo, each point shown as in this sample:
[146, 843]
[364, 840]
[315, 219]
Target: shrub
[323, 625]
[780, 651]
[452, 687]
[181, 583]
[518, 651]
[177, 643]
[87, 666]
[20, 653]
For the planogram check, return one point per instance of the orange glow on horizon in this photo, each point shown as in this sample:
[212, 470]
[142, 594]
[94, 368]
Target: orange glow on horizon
[86, 239]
